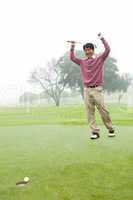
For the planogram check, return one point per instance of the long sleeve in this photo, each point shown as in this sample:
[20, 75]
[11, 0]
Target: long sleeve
[73, 57]
[107, 49]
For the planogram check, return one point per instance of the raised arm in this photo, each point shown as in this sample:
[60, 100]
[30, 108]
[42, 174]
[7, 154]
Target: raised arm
[72, 54]
[106, 52]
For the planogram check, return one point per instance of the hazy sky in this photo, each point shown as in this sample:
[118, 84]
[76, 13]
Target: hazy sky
[34, 31]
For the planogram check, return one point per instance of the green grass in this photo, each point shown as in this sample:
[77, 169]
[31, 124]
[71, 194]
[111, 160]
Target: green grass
[51, 146]
[65, 115]
[63, 164]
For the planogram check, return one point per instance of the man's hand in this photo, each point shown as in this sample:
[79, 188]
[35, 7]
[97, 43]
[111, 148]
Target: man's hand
[100, 35]
[72, 43]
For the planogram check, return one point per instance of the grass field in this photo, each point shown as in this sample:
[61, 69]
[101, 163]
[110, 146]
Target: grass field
[64, 115]
[59, 158]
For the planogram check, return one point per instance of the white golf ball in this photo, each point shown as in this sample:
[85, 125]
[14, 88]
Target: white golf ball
[26, 179]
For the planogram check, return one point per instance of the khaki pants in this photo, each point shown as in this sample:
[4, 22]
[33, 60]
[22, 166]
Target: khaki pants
[93, 97]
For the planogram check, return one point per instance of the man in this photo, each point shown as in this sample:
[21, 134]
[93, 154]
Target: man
[92, 71]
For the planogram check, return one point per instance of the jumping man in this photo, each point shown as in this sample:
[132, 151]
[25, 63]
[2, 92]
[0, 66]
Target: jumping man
[92, 71]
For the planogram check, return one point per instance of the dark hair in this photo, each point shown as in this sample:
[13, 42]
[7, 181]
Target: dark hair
[89, 45]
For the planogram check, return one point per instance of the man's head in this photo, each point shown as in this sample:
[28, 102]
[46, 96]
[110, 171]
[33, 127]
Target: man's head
[89, 49]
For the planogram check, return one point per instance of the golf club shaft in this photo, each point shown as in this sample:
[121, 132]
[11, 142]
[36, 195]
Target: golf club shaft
[69, 41]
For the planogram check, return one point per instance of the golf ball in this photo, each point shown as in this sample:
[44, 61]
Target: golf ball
[26, 179]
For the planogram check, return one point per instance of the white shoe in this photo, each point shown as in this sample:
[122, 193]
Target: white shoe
[94, 136]
[111, 133]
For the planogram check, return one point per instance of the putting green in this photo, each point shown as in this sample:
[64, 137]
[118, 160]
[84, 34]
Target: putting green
[64, 164]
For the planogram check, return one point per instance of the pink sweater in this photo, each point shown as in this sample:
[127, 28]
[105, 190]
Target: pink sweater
[92, 69]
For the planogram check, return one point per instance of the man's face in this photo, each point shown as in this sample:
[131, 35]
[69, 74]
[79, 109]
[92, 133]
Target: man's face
[89, 52]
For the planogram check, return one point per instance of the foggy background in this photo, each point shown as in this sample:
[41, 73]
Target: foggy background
[33, 32]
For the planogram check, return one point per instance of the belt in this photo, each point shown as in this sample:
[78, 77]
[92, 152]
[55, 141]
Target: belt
[93, 86]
